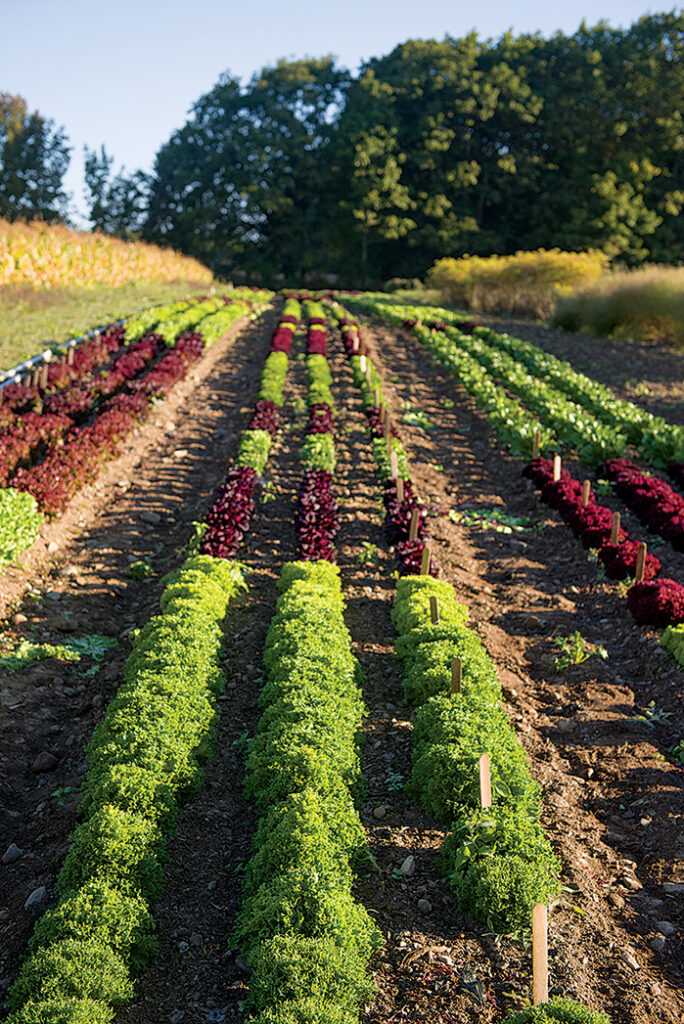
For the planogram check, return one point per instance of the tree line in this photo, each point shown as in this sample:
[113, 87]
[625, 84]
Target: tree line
[307, 172]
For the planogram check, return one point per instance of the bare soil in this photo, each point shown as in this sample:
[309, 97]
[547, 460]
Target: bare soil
[612, 801]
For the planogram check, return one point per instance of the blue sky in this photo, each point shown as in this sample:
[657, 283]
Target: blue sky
[125, 74]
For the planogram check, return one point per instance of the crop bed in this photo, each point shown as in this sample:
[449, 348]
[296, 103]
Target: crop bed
[300, 463]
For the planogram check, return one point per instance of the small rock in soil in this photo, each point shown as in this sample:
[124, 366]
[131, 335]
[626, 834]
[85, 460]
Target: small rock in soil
[151, 517]
[54, 595]
[36, 897]
[666, 928]
[628, 958]
[658, 944]
[11, 854]
[424, 906]
[379, 812]
[45, 762]
[566, 724]
[408, 867]
[196, 939]
[630, 882]
[53, 546]
[616, 899]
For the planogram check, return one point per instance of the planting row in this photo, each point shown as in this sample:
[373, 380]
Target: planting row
[653, 602]
[604, 434]
[657, 602]
[497, 856]
[304, 937]
[145, 757]
[67, 456]
[230, 515]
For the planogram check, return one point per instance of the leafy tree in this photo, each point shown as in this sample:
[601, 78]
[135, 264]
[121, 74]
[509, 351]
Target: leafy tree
[118, 203]
[34, 157]
[246, 179]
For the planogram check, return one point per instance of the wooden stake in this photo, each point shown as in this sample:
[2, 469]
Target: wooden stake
[362, 363]
[376, 398]
[394, 465]
[44, 376]
[586, 491]
[556, 468]
[413, 528]
[400, 489]
[70, 356]
[434, 606]
[640, 563]
[425, 571]
[535, 444]
[540, 954]
[615, 528]
[456, 676]
[485, 782]
[35, 380]
[388, 435]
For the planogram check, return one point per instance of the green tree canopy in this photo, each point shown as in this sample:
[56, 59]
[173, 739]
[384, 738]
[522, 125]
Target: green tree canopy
[34, 157]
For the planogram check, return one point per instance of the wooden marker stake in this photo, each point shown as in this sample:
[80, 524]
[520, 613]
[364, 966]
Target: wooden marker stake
[615, 528]
[485, 781]
[586, 491]
[362, 363]
[44, 376]
[535, 444]
[388, 435]
[640, 563]
[394, 465]
[434, 606]
[413, 528]
[400, 489]
[376, 398]
[556, 468]
[425, 571]
[456, 676]
[540, 954]
[70, 356]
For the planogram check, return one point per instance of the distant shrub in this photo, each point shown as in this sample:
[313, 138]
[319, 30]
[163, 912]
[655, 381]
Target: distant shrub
[638, 305]
[524, 284]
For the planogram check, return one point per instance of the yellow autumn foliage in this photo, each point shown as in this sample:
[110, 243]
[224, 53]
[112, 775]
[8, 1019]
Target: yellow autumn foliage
[524, 284]
[50, 256]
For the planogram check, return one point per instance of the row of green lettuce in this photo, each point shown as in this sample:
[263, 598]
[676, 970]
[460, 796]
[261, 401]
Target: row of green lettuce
[145, 758]
[20, 517]
[498, 858]
[304, 937]
[585, 414]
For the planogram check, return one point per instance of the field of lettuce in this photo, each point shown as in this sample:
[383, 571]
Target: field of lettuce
[340, 636]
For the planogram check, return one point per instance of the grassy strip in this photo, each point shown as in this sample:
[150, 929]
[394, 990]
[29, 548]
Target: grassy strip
[31, 320]
[633, 304]
[145, 757]
[305, 939]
